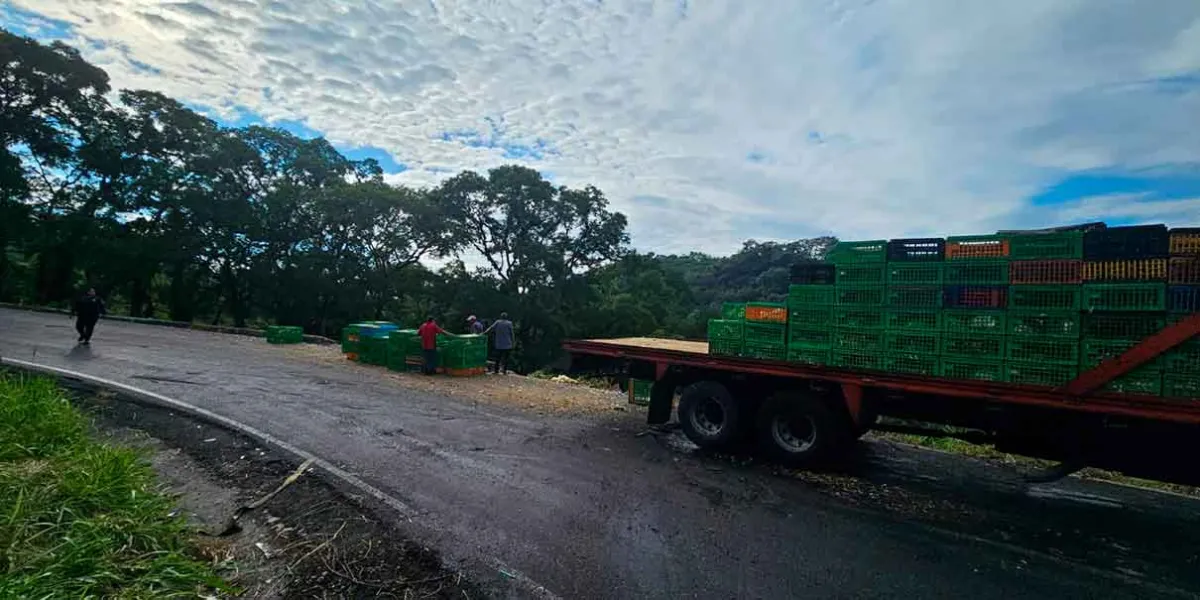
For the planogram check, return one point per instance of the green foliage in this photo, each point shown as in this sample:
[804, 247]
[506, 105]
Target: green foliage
[79, 518]
[172, 216]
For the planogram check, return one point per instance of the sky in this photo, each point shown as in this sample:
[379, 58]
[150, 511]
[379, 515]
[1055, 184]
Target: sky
[708, 122]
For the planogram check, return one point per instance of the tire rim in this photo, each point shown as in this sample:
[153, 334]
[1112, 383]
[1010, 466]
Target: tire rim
[795, 434]
[708, 418]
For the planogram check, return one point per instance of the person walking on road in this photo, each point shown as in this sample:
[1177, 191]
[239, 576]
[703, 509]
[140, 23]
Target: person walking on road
[428, 333]
[504, 342]
[474, 326]
[87, 311]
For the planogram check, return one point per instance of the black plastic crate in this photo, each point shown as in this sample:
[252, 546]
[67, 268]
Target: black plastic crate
[1120, 243]
[814, 274]
[917, 250]
[1183, 298]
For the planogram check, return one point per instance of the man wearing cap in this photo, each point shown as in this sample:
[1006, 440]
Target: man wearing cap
[474, 326]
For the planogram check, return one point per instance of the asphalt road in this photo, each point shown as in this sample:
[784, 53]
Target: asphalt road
[586, 508]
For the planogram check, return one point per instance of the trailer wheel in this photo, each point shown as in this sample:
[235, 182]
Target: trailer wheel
[709, 416]
[800, 430]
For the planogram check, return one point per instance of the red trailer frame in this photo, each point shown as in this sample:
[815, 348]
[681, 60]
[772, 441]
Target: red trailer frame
[1078, 395]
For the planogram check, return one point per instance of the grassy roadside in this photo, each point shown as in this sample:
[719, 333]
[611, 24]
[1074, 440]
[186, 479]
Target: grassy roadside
[79, 518]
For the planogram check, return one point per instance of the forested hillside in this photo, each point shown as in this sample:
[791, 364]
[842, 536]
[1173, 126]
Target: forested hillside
[171, 215]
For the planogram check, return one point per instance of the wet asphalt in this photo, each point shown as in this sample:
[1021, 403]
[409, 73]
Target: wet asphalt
[584, 507]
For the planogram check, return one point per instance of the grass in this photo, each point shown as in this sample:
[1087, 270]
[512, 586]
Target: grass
[79, 518]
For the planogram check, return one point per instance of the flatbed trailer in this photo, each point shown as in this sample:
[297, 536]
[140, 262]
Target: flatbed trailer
[803, 414]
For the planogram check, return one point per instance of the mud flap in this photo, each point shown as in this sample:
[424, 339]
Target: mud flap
[662, 395]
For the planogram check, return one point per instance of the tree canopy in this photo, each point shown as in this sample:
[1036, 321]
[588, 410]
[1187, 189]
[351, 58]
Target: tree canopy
[172, 215]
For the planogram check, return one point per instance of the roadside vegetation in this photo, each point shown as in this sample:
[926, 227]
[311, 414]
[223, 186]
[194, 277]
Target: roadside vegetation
[79, 518]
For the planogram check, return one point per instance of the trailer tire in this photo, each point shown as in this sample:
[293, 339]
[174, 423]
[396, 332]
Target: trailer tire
[800, 430]
[709, 415]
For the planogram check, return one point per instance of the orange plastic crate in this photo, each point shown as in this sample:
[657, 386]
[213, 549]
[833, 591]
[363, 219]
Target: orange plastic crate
[766, 314]
[1151, 269]
[969, 247]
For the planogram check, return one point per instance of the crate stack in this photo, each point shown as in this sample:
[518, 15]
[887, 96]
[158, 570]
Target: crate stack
[1033, 308]
[725, 334]
[463, 355]
[912, 319]
[401, 343]
[1124, 299]
[1043, 318]
[810, 304]
[284, 334]
[1182, 365]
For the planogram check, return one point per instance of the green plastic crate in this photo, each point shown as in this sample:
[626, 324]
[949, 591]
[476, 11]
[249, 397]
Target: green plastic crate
[725, 347]
[1059, 351]
[1183, 359]
[913, 342]
[856, 252]
[1144, 381]
[1135, 297]
[973, 346]
[1181, 386]
[1045, 297]
[733, 311]
[811, 316]
[862, 274]
[810, 356]
[976, 272]
[817, 338]
[725, 329]
[349, 340]
[858, 341]
[912, 364]
[974, 321]
[860, 295]
[853, 317]
[373, 351]
[915, 273]
[1122, 326]
[1094, 351]
[801, 296]
[764, 333]
[1064, 245]
[639, 391]
[851, 360]
[973, 370]
[284, 334]
[1057, 324]
[1049, 375]
[765, 352]
[901, 319]
[914, 297]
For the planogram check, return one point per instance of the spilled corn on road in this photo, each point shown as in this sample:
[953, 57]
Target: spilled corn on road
[552, 486]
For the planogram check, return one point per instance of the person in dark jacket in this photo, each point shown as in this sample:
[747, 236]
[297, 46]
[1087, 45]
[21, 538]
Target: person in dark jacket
[504, 343]
[87, 311]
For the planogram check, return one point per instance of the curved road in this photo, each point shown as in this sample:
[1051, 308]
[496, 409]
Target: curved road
[586, 508]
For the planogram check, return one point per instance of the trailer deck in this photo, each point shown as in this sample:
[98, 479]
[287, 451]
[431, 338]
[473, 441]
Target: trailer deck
[1079, 395]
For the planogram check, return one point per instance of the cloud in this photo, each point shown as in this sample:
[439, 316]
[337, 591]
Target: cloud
[708, 123]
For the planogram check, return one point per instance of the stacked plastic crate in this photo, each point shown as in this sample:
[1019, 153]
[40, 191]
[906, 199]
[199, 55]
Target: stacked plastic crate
[399, 343]
[764, 332]
[725, 334]
[912, 318]
[1043, 318]
[1182, 365]
[284, 334]
[1124, 299]
[463, 355]
[810, 305]
[860, 291]
[975, 280]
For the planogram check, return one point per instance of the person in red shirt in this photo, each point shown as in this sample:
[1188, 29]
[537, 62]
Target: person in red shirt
[428, 333]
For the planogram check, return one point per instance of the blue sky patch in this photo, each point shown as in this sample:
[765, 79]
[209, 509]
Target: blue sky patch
[383, 157]
[756, 156]
[34, 25]
[1152, 186]
[497, 137]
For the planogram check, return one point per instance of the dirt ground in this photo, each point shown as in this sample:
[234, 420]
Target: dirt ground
[309, 541]
[541, 396]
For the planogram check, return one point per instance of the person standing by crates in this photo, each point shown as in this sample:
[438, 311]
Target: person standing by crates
[428, 333]
[505, 341]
